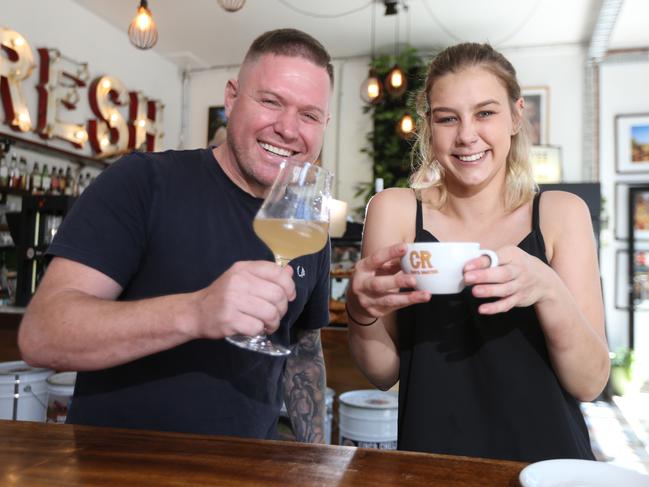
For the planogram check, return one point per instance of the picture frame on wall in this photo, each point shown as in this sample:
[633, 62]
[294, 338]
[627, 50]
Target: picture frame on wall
[638, 222]
[621, 208]
[632, 143]
[640, 279]
[537, 113]
[217, 122]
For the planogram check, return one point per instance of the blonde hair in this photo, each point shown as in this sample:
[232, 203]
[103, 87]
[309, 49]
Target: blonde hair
[428, 172]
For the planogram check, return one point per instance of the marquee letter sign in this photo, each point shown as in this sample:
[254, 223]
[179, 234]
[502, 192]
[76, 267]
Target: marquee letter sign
[60, 86]
[56, 88]
[16, 64]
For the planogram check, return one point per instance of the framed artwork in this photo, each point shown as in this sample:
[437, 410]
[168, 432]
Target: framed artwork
[638, 222]
[621, 207]
[546, 163]
[217, 122]
[639, 279]
[537, 113]
[632, 143]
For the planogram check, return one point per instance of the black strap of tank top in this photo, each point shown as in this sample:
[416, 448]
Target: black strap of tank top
[535, 212]
[419, 219]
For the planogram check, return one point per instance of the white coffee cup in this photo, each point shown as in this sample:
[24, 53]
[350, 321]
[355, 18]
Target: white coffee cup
[438, 266]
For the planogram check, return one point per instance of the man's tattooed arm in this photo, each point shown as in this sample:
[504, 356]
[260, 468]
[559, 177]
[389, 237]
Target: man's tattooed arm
[304, 387]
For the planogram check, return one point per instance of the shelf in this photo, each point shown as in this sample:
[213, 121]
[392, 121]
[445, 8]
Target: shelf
[18, 192]
[44, 148]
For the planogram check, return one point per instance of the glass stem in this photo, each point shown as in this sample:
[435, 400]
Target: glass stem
[281, 261]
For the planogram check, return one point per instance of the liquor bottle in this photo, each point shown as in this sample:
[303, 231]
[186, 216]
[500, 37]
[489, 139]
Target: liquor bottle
[4, 171]
[78, 182]
[62, 181]
[14, 172]
[36, 179]
[54, 184]
[46, 180]
[24, 176]
[69, 182]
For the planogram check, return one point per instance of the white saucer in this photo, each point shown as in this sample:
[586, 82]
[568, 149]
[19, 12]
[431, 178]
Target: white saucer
[580, 473]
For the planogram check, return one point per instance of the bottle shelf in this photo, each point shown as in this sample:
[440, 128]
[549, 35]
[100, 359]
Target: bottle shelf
[81, 159]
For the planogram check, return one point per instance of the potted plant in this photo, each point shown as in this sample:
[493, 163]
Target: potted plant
[622, 378]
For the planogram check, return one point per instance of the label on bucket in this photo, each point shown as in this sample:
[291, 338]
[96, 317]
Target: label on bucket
[60, 390]
[379, 445]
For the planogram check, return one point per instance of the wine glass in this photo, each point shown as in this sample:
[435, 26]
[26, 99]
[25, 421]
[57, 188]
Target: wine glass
[293, 221]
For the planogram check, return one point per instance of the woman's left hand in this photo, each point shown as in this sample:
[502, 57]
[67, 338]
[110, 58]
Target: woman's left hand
[518, 280]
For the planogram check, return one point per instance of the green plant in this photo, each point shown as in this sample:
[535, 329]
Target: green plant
[623, 379]
[389, 150]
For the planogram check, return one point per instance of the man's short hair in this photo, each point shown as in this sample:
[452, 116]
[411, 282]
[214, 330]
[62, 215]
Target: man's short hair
[291, 43]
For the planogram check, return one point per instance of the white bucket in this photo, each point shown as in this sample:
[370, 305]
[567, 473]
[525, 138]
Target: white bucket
[368, 419]
[60, 388]
[23, 392]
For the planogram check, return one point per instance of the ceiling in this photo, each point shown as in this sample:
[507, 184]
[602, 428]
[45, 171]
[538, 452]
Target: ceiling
[199, 33]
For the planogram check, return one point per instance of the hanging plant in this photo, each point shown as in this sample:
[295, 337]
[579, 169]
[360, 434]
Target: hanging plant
[386, 145]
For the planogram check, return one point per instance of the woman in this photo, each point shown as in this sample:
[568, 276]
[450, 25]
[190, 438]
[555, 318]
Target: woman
[497, 370]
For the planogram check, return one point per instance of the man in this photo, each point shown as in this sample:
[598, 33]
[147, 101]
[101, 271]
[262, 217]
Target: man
[157, 262]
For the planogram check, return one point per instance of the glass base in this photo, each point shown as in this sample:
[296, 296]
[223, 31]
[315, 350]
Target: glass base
[259, 343]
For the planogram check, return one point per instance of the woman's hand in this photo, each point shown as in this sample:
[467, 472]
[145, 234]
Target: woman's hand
[375, 287]
[520, 280]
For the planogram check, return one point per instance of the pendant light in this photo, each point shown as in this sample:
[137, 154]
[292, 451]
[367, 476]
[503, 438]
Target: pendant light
[406, 126]
[142, 32]
[372, 88]
[232, 5]
[396, 82]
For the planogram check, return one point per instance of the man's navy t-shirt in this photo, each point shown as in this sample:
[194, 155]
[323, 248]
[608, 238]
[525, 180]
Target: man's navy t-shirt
[171, 223]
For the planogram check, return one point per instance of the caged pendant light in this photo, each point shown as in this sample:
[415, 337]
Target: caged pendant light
[372, 88]
[142, 32]
[396, 82]
[232, 5]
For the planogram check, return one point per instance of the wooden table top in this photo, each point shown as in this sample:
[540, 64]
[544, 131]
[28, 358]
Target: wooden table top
[38, 454]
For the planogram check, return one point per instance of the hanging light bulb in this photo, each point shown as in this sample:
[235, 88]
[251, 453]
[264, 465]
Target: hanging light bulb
[142, 32]
[406, 126]
[372, 89]
[396, 82]
[232, 5]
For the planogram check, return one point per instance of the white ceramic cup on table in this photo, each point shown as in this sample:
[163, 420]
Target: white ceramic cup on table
[438, 266]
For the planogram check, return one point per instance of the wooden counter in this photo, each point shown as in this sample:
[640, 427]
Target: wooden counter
[38, 454]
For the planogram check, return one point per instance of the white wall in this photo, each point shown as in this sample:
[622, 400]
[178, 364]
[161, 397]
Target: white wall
[623, 90]
[83, 37]
[561, 69]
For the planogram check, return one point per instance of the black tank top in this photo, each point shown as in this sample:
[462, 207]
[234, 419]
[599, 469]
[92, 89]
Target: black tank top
[483, 386]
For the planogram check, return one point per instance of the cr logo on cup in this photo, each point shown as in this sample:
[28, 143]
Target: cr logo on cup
[420, 262]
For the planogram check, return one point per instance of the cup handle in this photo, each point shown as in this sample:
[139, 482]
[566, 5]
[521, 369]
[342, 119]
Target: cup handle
[492, 256]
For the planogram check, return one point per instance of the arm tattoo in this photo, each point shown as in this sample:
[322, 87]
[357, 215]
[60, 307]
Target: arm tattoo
[304, 387]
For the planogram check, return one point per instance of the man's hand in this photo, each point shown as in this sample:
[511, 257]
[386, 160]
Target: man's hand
[250, 298]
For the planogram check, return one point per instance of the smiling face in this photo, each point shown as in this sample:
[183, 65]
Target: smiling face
[471, 126]
[278, 109]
